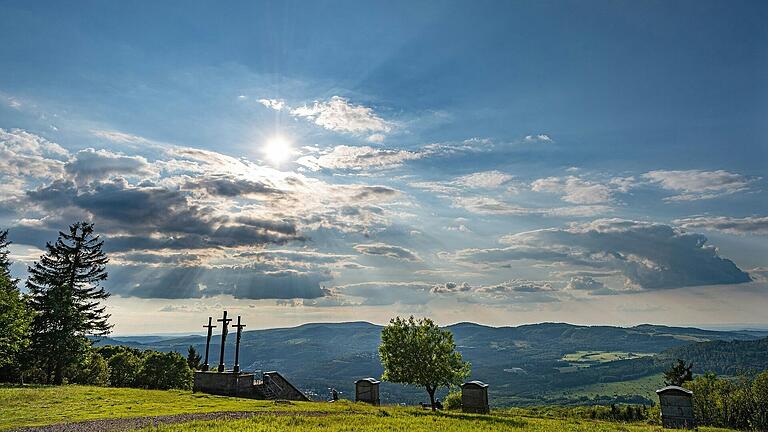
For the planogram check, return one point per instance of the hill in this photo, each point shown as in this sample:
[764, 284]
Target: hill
[100, 408]
[529, 364]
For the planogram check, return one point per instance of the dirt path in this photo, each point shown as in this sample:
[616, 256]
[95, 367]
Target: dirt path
[131, 423]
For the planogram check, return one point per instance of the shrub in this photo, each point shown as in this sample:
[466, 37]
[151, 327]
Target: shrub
[124, 369]
[453, 401]
[165, 371]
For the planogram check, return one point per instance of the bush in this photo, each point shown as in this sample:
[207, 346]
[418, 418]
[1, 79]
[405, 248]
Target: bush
[93, 371]
[124, 369]
[453, 401]
[165, 371]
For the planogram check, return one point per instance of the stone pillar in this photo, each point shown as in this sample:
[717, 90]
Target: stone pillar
[474, 397]
[367, 390]
[676, 408]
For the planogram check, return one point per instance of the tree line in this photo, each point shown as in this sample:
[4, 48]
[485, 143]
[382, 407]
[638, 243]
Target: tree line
[46, 333]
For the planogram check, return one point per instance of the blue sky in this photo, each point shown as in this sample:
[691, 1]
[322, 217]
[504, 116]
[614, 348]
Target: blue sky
[500, 162]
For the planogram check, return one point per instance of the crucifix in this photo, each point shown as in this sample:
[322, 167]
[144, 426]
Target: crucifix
[239, 327]
[208, 343]
[224, 323]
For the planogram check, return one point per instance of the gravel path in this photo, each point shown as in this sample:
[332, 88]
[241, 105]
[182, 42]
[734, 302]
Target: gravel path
[125, 424]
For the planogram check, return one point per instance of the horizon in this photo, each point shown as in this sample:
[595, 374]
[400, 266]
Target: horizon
[722, 328]
[600, 163]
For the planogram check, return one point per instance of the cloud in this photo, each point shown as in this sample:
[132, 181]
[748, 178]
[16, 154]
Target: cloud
[483, 180]
[386, 293]
[390, 251]
[756, 225]
[450, 288]
[338, 115]
[120, 137]
[649, 255]
[574, 189]
[24, 154]
[538, 138]
[699, 185]
[241, 282]
[358, 158]
[589, 285]
[90, 164]
[226, 185]
[275, 104]
[493, 206]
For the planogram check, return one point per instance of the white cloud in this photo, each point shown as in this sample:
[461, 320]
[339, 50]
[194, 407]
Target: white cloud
[483, 179]
[741, 226]
[574, 189]
[337, 114]
[119, 137]
[275, 104]
[390, 251]
[698, 185]
[358, 158]
[538, 138]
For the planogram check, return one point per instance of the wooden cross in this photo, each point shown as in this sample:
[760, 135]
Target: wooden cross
[210, 328]
[239, 327]
[224, 323]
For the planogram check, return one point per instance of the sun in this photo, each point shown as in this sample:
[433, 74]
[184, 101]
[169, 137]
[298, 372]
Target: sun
[277, 149]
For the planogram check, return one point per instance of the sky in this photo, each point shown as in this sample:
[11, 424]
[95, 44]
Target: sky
[496, 162]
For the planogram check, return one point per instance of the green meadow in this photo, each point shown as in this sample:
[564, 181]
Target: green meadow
[35, 406]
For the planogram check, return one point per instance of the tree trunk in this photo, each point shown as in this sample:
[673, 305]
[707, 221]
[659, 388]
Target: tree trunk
[431, 391]
[58, 378]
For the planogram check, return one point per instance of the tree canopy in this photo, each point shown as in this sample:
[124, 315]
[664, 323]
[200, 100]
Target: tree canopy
[418, 352]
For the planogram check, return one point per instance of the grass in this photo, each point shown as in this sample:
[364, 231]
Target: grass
[601, 356]
[32, 406]
[645, 386]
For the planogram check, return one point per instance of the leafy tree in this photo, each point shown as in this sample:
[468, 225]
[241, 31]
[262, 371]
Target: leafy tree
[124, 369]
[760, 397]
[15, 316]
[418, 352]
[678, 373]
[92, 371]
[193, 358]
[165, 371]
[66, 295]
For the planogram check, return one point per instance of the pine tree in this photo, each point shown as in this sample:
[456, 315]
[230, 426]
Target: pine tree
[193, 358]
[66, 294]
[678, 374]
[5, 264]
[14, 317]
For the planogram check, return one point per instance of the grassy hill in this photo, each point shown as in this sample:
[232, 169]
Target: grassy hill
[523, 365]
[21, 407]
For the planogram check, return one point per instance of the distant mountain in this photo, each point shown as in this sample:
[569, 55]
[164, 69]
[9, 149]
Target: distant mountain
[522, 364]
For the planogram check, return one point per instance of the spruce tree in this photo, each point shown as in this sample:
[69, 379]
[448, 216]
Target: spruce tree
[66, 293]
[14, 317]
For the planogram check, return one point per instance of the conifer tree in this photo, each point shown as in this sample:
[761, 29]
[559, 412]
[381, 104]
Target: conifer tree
[14, 317]
[66, 293]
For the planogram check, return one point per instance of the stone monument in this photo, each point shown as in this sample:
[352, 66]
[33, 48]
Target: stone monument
[367, 390]
[676, 408]
[474, 397]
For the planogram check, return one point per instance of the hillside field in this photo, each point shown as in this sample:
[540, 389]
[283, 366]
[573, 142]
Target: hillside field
[35, 406]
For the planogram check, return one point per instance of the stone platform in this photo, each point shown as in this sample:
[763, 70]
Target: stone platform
[224, 383]
[272, 385]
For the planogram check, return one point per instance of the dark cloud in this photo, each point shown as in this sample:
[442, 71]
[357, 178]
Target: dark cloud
[649, 255]
[89, 164]
[230, 186]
